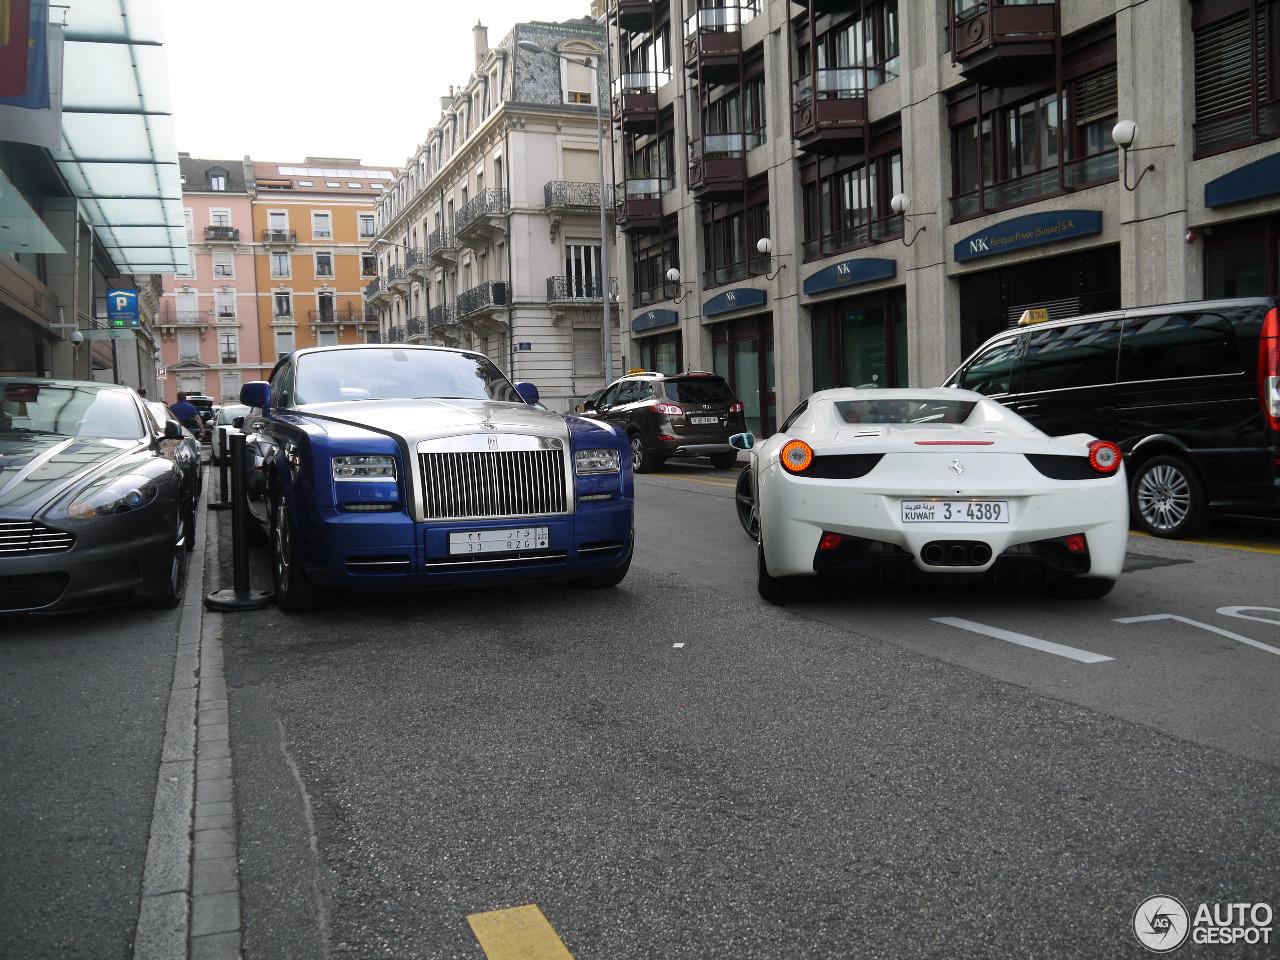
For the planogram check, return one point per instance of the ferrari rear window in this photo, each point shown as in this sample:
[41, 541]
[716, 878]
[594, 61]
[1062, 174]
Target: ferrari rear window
[905, 411]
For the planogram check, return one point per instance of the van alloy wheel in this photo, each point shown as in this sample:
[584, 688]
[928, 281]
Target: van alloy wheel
[1167, 499]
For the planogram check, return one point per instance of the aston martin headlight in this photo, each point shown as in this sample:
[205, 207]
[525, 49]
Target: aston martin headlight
[112, 496]
[364, 467]
[597, 461]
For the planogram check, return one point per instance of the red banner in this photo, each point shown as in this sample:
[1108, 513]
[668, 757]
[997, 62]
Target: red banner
[15, 46]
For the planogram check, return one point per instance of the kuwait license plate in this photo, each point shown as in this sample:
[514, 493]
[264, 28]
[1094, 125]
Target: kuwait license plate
[955, 511]
[702, 420]
[499, 541]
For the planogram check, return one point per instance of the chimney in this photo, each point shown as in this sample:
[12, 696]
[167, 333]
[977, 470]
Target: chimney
[481, 34]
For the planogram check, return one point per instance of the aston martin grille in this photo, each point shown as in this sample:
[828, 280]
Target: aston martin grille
[22, 537]
[505, 483]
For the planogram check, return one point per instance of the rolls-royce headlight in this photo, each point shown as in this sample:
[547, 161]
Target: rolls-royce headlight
[107, 498]
[597, 461]
[364, 467]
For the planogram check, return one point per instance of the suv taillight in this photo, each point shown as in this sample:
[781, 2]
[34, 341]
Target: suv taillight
[668, 409]
[1269, 368]
[736, 408]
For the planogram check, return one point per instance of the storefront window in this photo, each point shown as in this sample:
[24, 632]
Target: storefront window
[861, 342]
[1235, 272]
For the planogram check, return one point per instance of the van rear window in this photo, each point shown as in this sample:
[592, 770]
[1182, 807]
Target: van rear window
[1178, 345]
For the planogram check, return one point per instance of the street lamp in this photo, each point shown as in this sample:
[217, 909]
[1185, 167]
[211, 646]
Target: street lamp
[1124, 133]
[531, 47]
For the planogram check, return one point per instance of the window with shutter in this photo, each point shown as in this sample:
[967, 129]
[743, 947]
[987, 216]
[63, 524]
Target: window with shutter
[1234, 59]
[588, 352]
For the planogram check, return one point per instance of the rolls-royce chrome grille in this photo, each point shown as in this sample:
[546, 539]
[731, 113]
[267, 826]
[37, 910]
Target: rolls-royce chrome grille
[23, 538]
[501, 483]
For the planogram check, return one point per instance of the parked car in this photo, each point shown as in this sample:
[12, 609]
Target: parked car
[1189, 391]
[682, 415]
[185, 452]
[206, 407]
[397, 467]
[226, 417]
[933, 484]
[93, 508]
[589, 401]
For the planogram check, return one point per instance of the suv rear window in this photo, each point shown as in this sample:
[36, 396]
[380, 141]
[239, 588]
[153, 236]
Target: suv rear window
[699, 390]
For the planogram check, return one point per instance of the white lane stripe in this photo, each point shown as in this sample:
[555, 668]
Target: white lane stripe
[1203, 626]
[1022, 640]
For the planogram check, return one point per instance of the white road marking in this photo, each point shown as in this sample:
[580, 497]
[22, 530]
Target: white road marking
[1035, 643]
[677, 645]
[1203, 626]
[1238, 612]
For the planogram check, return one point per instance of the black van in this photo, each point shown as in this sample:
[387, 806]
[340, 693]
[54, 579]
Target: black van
[1189, 391]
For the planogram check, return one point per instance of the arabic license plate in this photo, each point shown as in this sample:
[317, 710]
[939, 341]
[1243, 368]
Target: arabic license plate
[701, 420]
[955, 511]
[499, 541]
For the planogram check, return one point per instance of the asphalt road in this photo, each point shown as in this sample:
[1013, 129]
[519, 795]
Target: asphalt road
[842, 778]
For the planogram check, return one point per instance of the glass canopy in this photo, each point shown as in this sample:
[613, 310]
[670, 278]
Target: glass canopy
[118, 152]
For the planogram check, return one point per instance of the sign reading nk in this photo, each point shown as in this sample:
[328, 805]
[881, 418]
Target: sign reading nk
[1028, 231]
[122, 308]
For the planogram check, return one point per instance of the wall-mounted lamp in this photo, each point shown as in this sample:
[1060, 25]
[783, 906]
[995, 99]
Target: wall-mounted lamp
[673, 276]
[1124, 133]
[765, 246]
[901, 203]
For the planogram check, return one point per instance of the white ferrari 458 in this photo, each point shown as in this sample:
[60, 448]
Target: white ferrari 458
[936, 485]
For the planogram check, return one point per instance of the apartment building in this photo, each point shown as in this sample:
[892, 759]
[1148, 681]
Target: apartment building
[860, 192]
[490, 237]
[278, 256]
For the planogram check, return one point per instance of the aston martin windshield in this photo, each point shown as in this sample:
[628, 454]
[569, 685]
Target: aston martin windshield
[68, 410]
[335, 376]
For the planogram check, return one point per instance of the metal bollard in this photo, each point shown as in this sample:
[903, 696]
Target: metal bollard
[240, 597]
[223, 503]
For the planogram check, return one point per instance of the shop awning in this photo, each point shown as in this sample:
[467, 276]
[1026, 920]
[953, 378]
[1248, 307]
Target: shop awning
[118, 152]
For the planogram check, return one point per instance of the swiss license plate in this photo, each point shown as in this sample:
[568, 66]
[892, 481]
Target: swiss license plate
[499, 541]
[702, 420]
[955, 511]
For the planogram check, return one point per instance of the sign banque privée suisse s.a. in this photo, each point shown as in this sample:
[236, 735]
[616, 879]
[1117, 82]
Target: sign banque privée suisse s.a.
[1028, 231]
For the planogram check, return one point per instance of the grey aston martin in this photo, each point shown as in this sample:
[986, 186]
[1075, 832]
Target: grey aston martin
[94, 507]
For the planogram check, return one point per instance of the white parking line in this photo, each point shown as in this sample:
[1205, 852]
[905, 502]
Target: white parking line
[1204, 626]
[1022, 640]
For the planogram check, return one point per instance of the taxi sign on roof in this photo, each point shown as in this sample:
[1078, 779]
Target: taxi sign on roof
[1038, 315]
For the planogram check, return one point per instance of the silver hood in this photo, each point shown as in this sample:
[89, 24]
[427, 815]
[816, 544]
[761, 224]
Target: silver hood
[415, 420]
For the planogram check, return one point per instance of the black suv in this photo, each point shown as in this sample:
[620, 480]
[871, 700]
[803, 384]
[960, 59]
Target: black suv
[1189, 391]
[682, 415]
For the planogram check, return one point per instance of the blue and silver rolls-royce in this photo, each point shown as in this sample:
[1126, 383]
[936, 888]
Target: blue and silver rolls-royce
[385, 467]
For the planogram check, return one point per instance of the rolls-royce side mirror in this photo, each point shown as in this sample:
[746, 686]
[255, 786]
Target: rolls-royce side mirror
[256, 393]
[528, 392]
[742, 441]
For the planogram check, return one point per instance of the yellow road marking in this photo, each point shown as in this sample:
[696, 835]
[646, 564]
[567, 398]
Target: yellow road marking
[676, 476]
[1226, 545]
[520, 933]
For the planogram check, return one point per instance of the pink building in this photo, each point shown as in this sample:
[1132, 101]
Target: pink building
[208, 318]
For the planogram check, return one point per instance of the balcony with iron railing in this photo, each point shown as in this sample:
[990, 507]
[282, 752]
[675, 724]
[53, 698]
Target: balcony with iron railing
[279, 236]
[633, 15]
[639, 207]
[415, 327]
[481, 299]
[754, 266]
[565, 196]
[225, 315]
[717, 164]
[377, 290]
[343, 314]
[635, 100]
[1005, 40]
[396, 277]
[829, 108]
[713, 39]
[221, 234]
[579, 289]
[171, 317]
[482, 215]
[229, 358]
[415, 262]
[442, 246]
[440, 316]
[395, 334]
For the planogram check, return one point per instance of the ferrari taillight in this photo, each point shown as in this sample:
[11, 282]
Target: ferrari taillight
[1269, 368]
[1104, 456]
[796, 456]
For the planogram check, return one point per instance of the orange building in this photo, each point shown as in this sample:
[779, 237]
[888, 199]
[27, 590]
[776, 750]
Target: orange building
[313, 224]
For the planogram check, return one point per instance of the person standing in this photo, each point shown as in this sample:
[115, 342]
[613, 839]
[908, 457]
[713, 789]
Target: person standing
[187, 415]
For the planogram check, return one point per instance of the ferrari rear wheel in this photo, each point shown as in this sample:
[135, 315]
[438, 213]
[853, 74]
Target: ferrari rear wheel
[295, 593]
[1080, 588]
[776, 589]
[744, 496]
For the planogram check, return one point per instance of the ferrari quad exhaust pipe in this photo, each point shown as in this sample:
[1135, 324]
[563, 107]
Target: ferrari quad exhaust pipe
[956, 553]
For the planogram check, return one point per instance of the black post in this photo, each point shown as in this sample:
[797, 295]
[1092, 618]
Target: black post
[223, 503]
[241, 597]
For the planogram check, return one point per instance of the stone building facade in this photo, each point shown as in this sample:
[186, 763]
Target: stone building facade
[990, 122]
[490, 237]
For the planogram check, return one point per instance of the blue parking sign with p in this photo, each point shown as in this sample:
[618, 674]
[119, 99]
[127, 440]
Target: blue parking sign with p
[122, 308]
